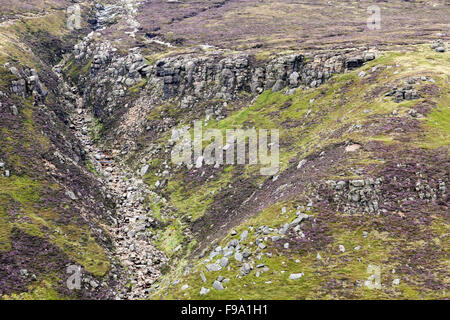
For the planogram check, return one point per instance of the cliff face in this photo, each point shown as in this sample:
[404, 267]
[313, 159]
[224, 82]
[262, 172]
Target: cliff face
[90, 119]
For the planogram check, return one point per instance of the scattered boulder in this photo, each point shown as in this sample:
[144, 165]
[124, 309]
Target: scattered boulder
[71, 195]
[357, 183]
[245, 269]
[405, 93]
[354, 62]
[353, 147]
[14, 110]
[296, 276]
[228, 252]
[438, 46]
[223, 262]
[204, 291]
[246, 253]
[144, 170]
[301, 163]
[218, 285]
[369, 56]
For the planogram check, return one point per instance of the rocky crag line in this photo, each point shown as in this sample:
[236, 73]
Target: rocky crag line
[187, 81]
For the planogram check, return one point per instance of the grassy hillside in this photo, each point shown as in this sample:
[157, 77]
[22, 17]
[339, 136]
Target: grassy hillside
[42, 229]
